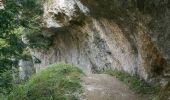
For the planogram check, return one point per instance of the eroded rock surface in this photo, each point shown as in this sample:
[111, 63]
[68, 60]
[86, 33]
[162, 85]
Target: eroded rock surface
[96, 35]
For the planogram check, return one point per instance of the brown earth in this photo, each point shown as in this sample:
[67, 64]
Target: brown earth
[105, 87]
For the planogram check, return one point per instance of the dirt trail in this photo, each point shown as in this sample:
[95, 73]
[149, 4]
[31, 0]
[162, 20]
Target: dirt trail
[105, 87]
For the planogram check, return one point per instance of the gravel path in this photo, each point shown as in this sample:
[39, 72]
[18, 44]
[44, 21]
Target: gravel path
[105, 87]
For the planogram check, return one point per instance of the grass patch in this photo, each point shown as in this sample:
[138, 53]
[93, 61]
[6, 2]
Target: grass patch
[56, 82]
[134, 82]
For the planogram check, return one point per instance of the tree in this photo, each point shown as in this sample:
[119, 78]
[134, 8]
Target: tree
[15, 15]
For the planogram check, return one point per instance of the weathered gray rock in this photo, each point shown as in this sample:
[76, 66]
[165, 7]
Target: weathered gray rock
[26, 69]
[99, 35]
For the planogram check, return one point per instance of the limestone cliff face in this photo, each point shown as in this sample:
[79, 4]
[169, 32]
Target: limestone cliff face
[98, 35]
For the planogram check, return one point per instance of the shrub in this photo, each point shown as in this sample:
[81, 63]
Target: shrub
[134, 82]
[5, 82]
[56, 82]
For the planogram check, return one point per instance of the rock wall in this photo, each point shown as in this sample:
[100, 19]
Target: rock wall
[98, 35]
[26, 69]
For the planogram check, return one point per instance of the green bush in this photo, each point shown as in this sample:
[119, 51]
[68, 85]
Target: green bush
[134, 82]
[3, 97]
[56, 82]
[6, 82]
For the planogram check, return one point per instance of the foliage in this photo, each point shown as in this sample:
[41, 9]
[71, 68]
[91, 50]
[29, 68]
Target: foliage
[16, 14]
[8, 79]
[37, 39]
[5, 78]
[10, 45]
[56, 82]
[134, 82]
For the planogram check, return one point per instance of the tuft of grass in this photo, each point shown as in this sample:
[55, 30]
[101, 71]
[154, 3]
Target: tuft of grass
[134, 82]
[56, 82]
